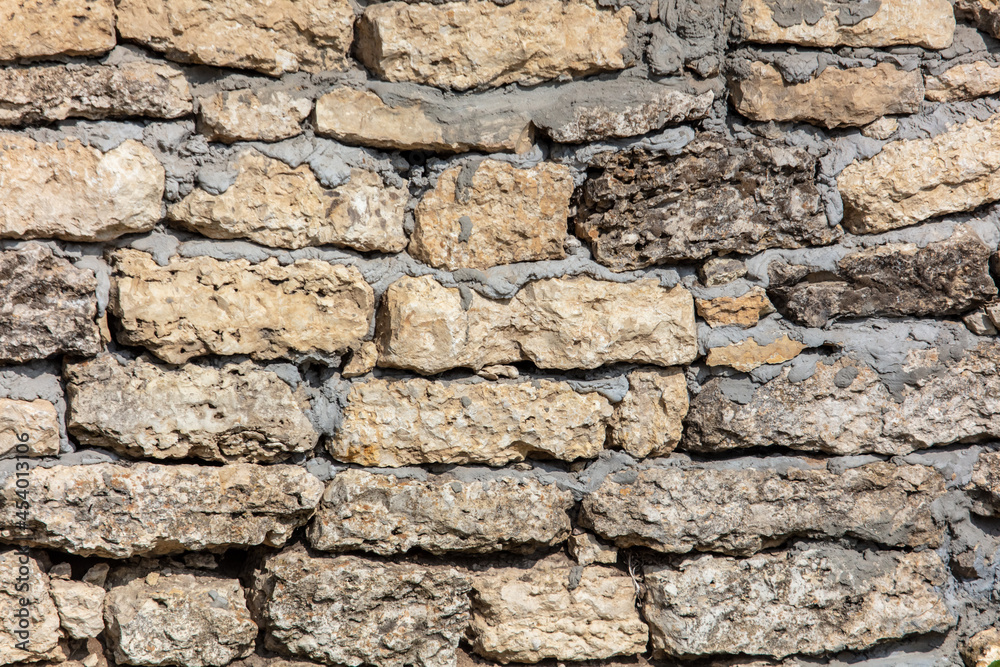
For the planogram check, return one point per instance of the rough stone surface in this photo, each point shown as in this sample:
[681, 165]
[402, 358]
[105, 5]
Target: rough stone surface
[816, 599]
[555, 323]
[586, 549]
[195, 620]
[417, 421]
[721, 271]
[47, 306]
[985, 484]
[386, 515]
[275, 205]
[56, 27]
[982, 649]
[524, 42]
[34, 424]
[69, 191]
[543, 610]
[273, 38]
[916, 179]
[944, 278]
[927, 23]
[362, 360]
[984, 13]
[742, 511]
[835, 98]
[50, 93]
[81, 607]
[205, 306]
[243, 115]
[497, 214]
[647, 422]
[844, 408]
[640, 209]
[966, 81]
[117, 511]
[743, 311]
[749, 354]
[43, 619]
[352, 611]
[142, 409]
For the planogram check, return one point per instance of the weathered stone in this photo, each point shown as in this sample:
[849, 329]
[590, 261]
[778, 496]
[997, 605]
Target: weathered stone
[73, 192]
[32, 424]
[749, 354]
[117, 511]
[944, 278]
[526, 42]
[586, 549]
[553, 608]
[275, 205]
[985, 485]
[353, 611]
[819, 599]
[47, 306]
[243, 115]
[743, 509]
[195, 620]
[43, 632]
[489, 213]
[966, 81]
[844, 408]
[980, 323]
[362, 361]
[835, 98]
[927, 23]
[56, 27]
[743, 311]
[984, 13]
[81, 607]
[416, 421]
[273, 38]
[54, 92]
[387, 515]
[881, 129]
[721, 271]
[916, 179]
[200, 306]
[640, 208]
[982, 649]
[238, 412]
[647, 422]
[555, 323]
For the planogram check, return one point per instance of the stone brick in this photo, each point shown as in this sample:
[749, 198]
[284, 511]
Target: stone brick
[384, 514]
[555, 323]
[272, 204]
[985, 14]
[239, 412]
[200, 305]
[43, 618]
[966, 81]
[524, 42]
[488, 213]
[647, 422]
[985, 484]
[744, 311]
[273, 38]
[748, 354]
[244, 115]
[56, 28]
[73, 192]
[982, 649]
[416, 421]
[81, 607]
[35, 420]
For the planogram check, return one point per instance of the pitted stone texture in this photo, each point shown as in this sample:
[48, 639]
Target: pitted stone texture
[48, 93]
[647, 422]
[586, 549]
[948, 277]
[34, 424]
[239, 412]
[982, 649]
[835, 98]
[553, 608]
[43, 631]
[416, 421]
[244, 115]
[555, 323]
[844, 408]
[743, 510]
[985, 487]
[966, 81]
[387, 515]
[912, 180]
[73, 192]
[927, 23]
[809, 600]
[116, 511]
[56, 27]
[748, 354]
[273, 38]
[47, 306]
[489, 213]
[526, 42]
[361, 117]
[356, 611]
[81, 607]
[275, 205]
[640, 208]
[195, 620]
[201, 306]
[984, 13]
[744, 311]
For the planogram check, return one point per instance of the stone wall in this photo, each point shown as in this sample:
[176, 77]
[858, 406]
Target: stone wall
[423, 334]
